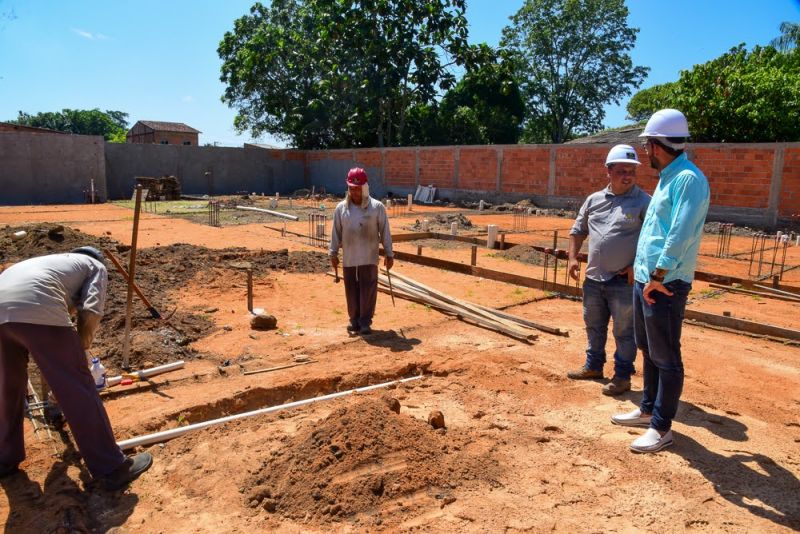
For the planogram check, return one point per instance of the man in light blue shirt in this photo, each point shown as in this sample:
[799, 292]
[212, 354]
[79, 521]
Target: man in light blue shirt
[611, 218]
[666, 256]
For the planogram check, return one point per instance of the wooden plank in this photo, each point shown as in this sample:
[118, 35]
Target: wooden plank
[490, 274]
[756, 293]
[742, 325]
[398, 238]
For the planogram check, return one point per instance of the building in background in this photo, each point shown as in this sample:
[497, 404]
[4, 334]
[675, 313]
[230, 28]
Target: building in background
[162, 133]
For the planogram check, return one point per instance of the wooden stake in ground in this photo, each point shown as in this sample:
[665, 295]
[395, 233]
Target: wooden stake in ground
[126, 345]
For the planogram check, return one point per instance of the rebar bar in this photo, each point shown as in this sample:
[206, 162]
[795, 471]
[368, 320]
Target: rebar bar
[317, 230]
[520, 219]
[213, 212]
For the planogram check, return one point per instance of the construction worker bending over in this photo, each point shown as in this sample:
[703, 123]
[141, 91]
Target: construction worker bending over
[359, 225]
[36, 298]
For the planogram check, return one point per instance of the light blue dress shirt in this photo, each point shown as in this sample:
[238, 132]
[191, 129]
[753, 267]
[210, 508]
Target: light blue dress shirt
[673, 226]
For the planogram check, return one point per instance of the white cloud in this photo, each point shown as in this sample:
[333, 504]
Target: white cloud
[89, 35]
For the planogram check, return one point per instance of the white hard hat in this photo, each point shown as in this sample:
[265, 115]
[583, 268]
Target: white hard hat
[622, 154]
[666, 123]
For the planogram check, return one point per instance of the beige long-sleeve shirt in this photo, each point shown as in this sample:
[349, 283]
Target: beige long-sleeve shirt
[358, 231]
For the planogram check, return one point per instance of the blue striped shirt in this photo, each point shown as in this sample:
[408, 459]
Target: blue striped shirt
[673, 226]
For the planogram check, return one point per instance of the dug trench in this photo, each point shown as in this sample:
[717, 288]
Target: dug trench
[159, 271]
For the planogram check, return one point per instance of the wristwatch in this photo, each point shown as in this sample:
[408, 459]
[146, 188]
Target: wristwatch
[657, 275]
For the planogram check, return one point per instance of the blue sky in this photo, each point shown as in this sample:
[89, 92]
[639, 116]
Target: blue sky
[158, 60]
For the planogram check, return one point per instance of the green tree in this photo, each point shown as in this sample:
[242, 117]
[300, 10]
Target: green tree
[573, 59]
[335, 73]
[789, 37]
[743, 96]
[647, 101]
[112, 125]
[490, 91]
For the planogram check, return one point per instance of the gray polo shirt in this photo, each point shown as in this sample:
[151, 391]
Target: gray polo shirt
[612, 223]
[42, 290]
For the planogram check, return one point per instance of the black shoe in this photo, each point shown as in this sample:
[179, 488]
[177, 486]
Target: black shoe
[365, 331]
[352, 329]
[6, 470]
[131, 468]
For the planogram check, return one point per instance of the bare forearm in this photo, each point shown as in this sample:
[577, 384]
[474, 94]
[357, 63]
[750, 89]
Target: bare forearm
[88, 323]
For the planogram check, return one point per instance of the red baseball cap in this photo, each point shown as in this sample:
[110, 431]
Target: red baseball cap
[356, 177]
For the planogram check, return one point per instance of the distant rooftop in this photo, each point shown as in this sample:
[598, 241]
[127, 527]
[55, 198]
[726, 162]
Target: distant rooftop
[162, 126]
[628, 135]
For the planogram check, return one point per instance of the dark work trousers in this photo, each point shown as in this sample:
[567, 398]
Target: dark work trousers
[58, 352]
[361, 291]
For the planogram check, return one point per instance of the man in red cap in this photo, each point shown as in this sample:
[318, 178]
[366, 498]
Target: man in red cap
[359, 224]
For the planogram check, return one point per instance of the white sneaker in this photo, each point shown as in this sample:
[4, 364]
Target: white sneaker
[634, 418]
[652, 441]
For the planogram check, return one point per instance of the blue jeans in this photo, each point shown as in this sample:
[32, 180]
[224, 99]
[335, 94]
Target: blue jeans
[601, 301]
[658, 335]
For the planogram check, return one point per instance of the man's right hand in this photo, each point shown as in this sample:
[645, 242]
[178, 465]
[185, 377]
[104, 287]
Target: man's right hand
[334, 261]
[574, 267]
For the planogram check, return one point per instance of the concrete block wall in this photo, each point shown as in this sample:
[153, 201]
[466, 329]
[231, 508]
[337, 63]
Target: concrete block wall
[41, 168]
[756, 183]
[204, 170]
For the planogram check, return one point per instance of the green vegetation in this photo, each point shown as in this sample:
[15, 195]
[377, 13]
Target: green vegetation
[572, 59]
[742, 96]
[325, 74]
[112, 125]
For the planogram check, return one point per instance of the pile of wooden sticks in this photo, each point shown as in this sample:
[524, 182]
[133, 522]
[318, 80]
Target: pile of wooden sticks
[499, 321]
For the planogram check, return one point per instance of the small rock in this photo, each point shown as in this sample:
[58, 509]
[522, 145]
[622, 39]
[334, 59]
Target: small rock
[263, 321]
[211, 310]
[227, 328]
[393, 404]
[436, 419]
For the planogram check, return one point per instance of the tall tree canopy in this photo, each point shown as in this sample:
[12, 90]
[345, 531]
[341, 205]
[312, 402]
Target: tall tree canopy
[789, 37]
[112, 125]
[484, 107]
[338, 73]
[574, 59]
[740, 96]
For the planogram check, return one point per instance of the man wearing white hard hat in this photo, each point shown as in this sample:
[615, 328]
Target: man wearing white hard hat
[611, 218]
[666, 256]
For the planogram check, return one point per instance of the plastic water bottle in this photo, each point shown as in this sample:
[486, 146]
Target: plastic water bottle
[99, 373]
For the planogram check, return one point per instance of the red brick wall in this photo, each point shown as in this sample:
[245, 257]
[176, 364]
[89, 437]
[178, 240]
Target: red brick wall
[437, 166]
[790, 184]
[525, 170]
[400, 168]
[579, 171]
[477, 169]
[739, 177]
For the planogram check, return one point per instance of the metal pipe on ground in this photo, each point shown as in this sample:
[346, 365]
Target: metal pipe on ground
[166, 435]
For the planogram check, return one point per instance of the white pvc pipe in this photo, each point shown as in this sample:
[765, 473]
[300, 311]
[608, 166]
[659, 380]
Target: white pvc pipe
[275, 213]
[147, 373]
[166, 435]
[410, 202]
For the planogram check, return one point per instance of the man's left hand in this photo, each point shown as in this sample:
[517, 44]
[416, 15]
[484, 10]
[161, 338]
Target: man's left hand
[651, 286]
[388, 262]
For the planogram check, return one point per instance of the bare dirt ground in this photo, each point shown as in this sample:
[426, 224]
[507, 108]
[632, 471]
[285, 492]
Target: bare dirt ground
[523, 449]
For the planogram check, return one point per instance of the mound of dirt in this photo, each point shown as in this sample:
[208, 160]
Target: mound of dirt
[522, 253]
[159, 270]
[443, 222]
[359, 459]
